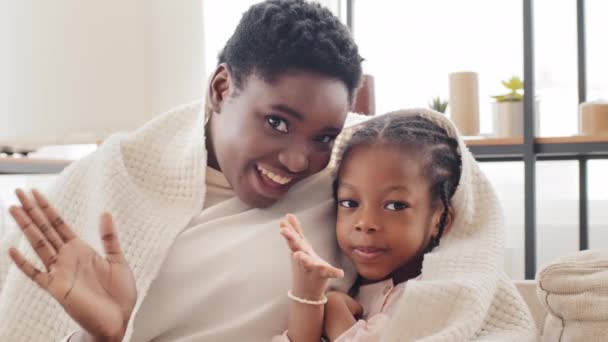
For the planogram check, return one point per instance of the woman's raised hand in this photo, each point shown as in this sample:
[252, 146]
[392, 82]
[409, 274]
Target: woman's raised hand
[97, 292]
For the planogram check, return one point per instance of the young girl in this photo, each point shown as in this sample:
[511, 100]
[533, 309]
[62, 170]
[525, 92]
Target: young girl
[394, 190]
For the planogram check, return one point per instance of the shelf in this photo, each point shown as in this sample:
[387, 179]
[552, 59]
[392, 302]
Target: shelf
[31, 165]
[546, 148]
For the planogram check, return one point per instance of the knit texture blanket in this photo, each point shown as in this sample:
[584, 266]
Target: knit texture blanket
[464, 293]
[153, 180]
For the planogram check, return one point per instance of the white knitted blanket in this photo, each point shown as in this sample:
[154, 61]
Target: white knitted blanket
[153, 182]
[464, 294]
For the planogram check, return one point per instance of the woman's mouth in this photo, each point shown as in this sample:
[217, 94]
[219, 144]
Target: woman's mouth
[273, 177]
[272, 184]
[368, 253]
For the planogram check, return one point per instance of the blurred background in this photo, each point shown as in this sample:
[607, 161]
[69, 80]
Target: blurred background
[74, 71]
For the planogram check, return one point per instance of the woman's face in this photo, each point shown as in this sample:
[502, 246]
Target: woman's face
[267, 136]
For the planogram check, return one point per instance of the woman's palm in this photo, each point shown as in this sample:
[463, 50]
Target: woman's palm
[98, 293]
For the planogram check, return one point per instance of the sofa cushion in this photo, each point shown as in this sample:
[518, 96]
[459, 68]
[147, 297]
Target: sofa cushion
[527, 289]
[574, 290]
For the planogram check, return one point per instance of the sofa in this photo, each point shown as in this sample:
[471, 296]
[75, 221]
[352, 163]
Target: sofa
[569, 298]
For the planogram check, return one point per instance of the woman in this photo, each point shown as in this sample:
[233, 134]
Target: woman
[193, 200]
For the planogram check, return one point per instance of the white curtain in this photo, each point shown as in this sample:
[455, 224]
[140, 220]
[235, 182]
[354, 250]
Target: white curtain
[78, 70]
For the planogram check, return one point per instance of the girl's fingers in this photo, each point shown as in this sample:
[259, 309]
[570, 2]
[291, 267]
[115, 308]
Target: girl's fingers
[111, 245]
[35, 237]
[293, 240]
[295, 224]
[333, 272]
[37, 216]
[304, 260]
[64, 230]
[319, 266]
[43, 279]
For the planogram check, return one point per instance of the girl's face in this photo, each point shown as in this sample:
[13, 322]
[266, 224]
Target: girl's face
[385, 217]
[267, 136]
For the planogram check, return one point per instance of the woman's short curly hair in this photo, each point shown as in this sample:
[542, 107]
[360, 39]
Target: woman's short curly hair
[276, 36]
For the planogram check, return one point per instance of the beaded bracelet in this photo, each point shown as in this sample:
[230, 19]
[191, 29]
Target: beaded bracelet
[306, 301]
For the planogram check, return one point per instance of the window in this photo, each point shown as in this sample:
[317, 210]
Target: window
[411, 46]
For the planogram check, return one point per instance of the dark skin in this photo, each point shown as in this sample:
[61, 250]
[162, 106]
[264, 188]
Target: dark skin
[286, 126]
[386, 214]
[386, 219]
[265, 137]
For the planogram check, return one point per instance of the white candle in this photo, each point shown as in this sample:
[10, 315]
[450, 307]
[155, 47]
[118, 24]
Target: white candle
[594, 118]
[464, 102]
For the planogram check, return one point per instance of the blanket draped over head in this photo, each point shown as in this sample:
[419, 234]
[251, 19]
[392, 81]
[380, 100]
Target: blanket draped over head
[153, 180]
[463, 293]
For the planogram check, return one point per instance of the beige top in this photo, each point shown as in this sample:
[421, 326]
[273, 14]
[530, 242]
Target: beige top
[208, 288]
[178, 277]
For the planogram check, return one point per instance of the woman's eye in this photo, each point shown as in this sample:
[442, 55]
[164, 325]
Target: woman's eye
[326, 139]
[396, 206]
[348, 204]
[278, 124]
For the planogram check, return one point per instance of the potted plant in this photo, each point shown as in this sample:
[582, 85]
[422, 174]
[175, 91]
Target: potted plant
[508, 110]
[438, 104]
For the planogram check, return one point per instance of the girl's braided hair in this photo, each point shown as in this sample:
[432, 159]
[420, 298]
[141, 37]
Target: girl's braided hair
[439, 151]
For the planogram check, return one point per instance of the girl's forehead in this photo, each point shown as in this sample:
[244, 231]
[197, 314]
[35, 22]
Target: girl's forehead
[384, 161]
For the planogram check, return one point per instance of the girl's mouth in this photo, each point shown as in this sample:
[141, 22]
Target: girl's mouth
[368, 253]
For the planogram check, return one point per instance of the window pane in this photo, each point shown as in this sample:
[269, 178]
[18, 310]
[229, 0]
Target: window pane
[598, 204]
[597, 50]
[557, 210]
[508, 181]
[556, 66]
[411, 46]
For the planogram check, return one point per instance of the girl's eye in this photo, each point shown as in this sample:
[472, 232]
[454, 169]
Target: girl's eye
[348, 204]
[394, 206]
[325, 139]
[277, 123]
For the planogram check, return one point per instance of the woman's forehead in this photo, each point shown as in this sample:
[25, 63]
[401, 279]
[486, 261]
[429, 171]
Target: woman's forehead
[304, 96]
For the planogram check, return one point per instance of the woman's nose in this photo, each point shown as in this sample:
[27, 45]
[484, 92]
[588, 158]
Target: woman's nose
[295, 159]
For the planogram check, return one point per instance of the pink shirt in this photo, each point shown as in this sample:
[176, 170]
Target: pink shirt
[378, 301]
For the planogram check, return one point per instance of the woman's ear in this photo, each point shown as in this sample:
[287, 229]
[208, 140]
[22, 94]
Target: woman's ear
[219, 87]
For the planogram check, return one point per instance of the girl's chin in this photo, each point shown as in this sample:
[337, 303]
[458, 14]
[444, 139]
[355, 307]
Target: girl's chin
[372, 276]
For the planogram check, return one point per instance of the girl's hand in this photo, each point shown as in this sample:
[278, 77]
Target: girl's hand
[310, 272]
[99, 293]
[341, 298]
[341, 312]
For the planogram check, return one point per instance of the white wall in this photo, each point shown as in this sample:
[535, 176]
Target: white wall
[78, 70]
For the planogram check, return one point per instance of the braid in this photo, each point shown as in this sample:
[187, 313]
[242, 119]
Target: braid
[439, 151]
[443, 220]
